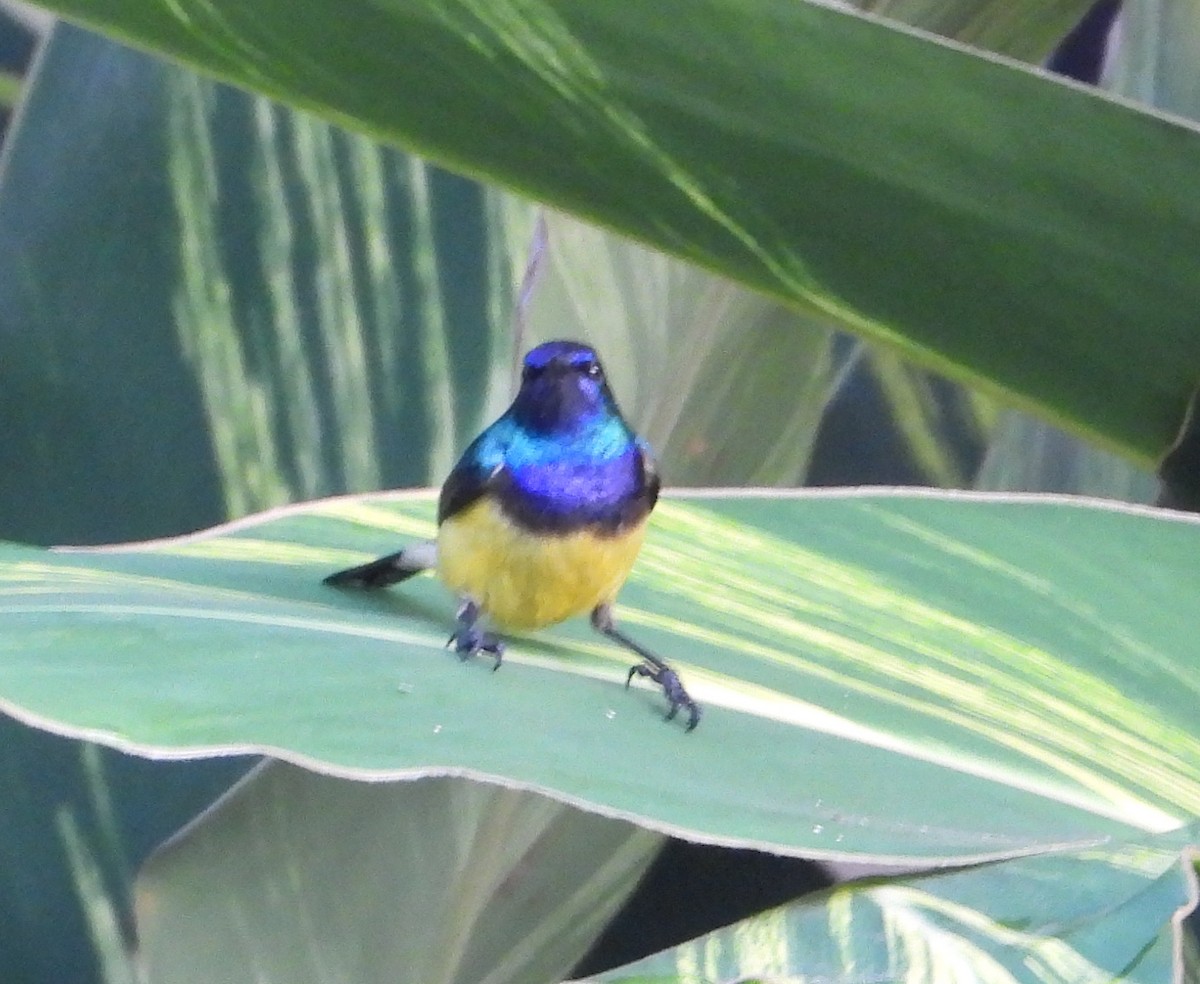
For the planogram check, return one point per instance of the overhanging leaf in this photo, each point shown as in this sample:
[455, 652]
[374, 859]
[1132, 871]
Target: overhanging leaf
[1023, 663]
[906, 187]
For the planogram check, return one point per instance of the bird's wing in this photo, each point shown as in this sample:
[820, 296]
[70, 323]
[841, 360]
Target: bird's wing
[464, 486]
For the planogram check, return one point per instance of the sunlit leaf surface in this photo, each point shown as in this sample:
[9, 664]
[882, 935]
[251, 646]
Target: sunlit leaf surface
[1026, 664]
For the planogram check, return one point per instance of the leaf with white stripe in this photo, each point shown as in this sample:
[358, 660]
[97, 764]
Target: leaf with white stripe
[1024, 663]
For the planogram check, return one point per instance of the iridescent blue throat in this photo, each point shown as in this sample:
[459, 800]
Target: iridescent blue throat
[589, 474]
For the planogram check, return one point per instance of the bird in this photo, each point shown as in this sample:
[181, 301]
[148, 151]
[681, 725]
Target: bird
[542, 518]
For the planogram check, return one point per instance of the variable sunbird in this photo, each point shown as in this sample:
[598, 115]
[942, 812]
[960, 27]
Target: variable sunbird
[542, 517]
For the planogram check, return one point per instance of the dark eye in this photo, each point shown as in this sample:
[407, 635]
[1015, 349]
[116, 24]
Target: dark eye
[530, 372]
[593, 370]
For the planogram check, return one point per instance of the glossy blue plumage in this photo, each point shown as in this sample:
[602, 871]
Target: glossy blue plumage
[561, 457]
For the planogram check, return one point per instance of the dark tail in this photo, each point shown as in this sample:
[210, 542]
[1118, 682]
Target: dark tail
[378, 573]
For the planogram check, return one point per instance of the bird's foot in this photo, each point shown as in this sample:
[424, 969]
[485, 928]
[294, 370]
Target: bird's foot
[672, 688]
[470, 640]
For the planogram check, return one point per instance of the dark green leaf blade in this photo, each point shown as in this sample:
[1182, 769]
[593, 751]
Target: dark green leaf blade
[907, 188]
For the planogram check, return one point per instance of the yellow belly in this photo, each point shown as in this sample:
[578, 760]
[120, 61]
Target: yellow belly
[524, 580]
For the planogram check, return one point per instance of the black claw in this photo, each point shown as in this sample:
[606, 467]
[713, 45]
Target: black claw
[673, 690]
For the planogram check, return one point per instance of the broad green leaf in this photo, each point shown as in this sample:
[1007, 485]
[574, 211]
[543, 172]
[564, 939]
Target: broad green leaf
[1152, 60]
[1023, 663]
[437, 881]
[665, 318]
[980, 216]
[1092, 916]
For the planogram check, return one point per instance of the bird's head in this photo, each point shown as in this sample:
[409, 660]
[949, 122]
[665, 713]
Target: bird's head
[562, 388]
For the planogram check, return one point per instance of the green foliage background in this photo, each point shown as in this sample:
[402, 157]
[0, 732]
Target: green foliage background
[198, 319]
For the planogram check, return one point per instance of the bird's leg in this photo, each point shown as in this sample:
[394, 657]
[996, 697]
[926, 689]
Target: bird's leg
[653, 667]
[469, 638]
